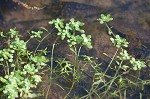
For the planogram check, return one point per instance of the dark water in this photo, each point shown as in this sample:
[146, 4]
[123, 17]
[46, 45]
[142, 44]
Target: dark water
[131, 20]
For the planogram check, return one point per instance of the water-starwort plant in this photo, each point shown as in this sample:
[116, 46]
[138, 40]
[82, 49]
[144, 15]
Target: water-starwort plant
[116, 85]
[21, 67]
[121, 80]
[72, 32]
[76, 38]
[104, 83]
[66, 67]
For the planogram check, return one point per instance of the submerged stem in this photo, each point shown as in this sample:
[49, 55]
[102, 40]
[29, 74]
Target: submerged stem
[111, 61]
[42, 40]
[51, 66]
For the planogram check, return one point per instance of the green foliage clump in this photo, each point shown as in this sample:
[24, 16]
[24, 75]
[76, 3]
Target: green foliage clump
[21, 67]
[20, 83]
[105, 18]
[119, 42]
[69, 30]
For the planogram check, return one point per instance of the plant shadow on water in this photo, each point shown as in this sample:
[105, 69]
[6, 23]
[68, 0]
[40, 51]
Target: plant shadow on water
[130, 21]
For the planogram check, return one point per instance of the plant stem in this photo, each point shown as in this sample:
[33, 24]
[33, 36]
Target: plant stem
[109, 29]
[113, 78]
[70, 89]
[7, 68]
[111, 61]
[42, 41]
[51, 66]
[76, 68]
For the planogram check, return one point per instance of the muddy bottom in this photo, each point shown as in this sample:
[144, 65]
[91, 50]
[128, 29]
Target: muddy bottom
[131, 21]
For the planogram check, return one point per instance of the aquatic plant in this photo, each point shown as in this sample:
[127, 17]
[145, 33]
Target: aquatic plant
[76, 39]
[116, 85]
[22, 68]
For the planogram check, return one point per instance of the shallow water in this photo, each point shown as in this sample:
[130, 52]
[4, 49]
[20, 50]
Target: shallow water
[131, 20]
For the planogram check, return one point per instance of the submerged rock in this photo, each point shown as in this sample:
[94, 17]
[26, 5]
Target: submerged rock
[131, 20]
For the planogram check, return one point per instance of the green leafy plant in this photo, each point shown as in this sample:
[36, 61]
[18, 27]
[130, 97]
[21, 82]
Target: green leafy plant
[122, 65]
[103, 84]
[69, 30]
[105, 18]
[76, 38]
[21, 67]
[66, 67]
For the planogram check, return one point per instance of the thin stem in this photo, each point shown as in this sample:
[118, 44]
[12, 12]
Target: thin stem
[28, 40]
[42, 40]
[4, 68]
[111, 60]
[113, 78]
[79, 50]
[76, 68]
[109, 29]
[17, 61]
[74, 74]
[7, 68]
[76, 58]
[51, 66]
[70, 89]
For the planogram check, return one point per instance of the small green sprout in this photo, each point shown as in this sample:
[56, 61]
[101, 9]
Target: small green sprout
[6, 55]
[35, 34]
[39, 60]
[124, 55]
[105, 18]
[119, 41]
[66, 67]
[18, 45]
[13, 33]
[137, 65]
